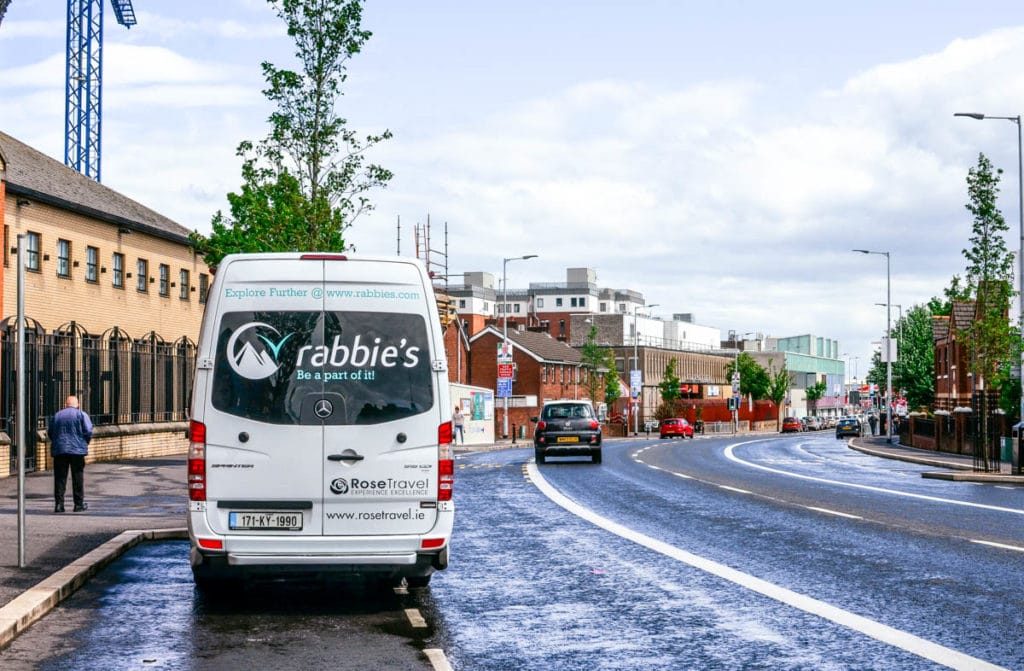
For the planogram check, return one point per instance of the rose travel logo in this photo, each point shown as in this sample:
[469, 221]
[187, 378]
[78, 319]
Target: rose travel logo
[253, 350]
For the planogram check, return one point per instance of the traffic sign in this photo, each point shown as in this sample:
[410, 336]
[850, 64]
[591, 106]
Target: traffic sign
[635, 380]
[505, 370]
[504, 387]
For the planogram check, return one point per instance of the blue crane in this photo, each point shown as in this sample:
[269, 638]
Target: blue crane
[83, 100]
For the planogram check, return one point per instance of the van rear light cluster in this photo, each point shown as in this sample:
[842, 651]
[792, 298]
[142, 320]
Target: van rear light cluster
[197, 461]
[594, 425]
[445, 469]
[541, 425]
[444, 434]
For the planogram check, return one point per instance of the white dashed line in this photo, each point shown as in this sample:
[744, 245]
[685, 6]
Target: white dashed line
[916, 645]
[835, 512]
[734, 489]
[999, 545]
[437, 659]
[415, 619]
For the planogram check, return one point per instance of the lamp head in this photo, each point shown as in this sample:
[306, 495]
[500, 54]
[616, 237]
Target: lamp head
[973, 115]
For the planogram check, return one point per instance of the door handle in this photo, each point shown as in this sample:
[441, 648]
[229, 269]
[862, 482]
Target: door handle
[345, 457]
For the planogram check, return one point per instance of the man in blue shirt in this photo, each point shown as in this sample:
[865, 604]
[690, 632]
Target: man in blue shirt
[70, 431]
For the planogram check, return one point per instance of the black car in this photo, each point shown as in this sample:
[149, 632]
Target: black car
[848, 426]
[567, 428]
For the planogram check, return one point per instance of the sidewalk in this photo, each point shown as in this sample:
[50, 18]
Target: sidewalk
[128, 501]
[959, 467]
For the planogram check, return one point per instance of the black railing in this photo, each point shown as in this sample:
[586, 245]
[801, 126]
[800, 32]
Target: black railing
[118, 379]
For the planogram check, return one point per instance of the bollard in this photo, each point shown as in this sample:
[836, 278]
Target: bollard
[513, 433]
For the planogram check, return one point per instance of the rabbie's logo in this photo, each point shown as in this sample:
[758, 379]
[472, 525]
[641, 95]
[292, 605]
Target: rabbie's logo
[254, 348]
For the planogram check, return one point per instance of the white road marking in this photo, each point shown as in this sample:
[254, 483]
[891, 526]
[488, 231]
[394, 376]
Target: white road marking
[999, 545]
[415, 619]
[835, 512]
[934, 652]
[734, 489]
[729, 455]
[437, 659]
[684, 476]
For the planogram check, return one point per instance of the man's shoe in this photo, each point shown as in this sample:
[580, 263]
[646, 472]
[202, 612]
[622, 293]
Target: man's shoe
[59, 508]
[81, 508]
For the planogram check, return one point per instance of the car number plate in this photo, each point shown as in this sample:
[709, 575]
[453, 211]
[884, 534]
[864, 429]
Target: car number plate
[568, 439]
[265, 521]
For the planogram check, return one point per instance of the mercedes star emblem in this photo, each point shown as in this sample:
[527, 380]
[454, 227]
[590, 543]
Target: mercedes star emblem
[323, 408]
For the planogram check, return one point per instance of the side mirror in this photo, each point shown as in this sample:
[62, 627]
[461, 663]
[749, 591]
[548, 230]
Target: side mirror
[533, 419]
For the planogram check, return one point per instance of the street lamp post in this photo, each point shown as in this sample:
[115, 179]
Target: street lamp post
[888, 348]
[504, 321]
[1020, 251]
[636, 367]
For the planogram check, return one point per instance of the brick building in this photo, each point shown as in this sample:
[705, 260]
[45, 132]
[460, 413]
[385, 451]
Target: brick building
[94, 256]
[546, 369]
[103, 274]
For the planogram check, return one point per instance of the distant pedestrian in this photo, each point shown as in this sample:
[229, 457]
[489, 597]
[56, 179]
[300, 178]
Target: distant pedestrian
[70, 431]
[873, 421]
[458, 419]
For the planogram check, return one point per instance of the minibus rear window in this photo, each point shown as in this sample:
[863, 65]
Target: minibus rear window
[322, 368]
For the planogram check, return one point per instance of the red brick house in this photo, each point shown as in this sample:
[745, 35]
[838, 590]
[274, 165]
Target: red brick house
[546, 369]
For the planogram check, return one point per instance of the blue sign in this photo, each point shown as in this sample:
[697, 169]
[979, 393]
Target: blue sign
[504, 387]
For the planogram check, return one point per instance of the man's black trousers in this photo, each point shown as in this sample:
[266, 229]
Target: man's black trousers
[61, 464]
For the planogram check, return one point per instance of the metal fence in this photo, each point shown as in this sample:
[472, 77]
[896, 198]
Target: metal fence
[119, 379]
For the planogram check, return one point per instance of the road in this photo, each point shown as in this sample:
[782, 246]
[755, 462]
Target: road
[781, 552]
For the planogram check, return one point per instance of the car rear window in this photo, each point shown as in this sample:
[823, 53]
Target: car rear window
[274, 367]
[568, 411]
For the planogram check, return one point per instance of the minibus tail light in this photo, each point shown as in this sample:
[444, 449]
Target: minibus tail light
[197, 461]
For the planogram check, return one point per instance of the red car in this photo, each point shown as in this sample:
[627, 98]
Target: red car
[792, 424]
[676, 427]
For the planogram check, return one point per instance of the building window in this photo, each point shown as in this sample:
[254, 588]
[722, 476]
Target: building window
[165, 279]
[204, 287]
[32, 243]
[487, 306]
[118, 278]
[604, 307]
[561, 328]
[583, 301]
[540, 302]
[462, 303]
[515, 308]
[92, 263]
[143, 275]
[183, 288]
[63, 258]
[558, 302]
[622, 307]
[572, 302]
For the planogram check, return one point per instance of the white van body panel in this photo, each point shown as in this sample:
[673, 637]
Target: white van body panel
[322, 387]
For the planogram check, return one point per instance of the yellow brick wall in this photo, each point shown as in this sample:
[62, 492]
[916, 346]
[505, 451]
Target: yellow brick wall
[53, 301]
[120, 443]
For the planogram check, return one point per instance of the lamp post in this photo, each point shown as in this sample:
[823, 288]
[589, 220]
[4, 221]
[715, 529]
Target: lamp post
[888, 348]
[1020, 251]
[639, 372]
[504, 322]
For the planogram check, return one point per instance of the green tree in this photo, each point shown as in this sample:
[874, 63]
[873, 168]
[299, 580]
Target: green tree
[913, 372]
[307, 181]
[779, 385]
[612, 383]
[594, 359]
[669, 385]
[989, 338]
[753, 378]
[814, 394]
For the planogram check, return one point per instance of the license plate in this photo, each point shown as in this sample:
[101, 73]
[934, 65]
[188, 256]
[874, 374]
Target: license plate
[265, 521]
[568, 439]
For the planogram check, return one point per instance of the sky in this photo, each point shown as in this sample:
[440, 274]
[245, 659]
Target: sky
[721, 158]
